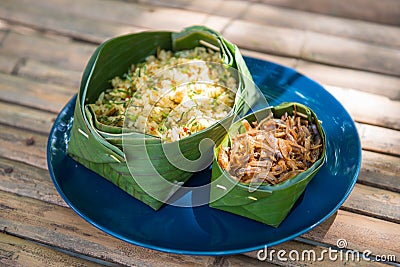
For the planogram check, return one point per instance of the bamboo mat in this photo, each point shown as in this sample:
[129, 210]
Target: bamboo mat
[351, 47]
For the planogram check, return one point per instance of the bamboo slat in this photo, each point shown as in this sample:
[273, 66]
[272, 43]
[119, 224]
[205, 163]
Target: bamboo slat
[364, 81]
[42, 72]
[19, 252]
[7, 63]
[353, 29]
[49, 97]
[64, 52]
[122, 14]
[374, 202]
[23, 146]
[379, 139]
[385, 11]
[268, 38]
[26, 118]
[361, 233]
[27, 180]
[348, 53]
[380, 170]
[369, 108]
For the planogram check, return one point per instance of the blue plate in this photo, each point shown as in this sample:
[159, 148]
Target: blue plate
[202, 230]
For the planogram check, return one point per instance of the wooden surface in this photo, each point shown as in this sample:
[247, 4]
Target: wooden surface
[351, 47]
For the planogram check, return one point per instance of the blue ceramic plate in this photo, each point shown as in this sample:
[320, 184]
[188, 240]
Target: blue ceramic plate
[202, 230]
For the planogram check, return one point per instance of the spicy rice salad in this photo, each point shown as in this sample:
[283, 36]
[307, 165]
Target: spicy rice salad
[170, 95]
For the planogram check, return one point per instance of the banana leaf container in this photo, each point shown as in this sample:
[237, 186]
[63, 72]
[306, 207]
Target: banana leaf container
[269, 204]
[137, 162]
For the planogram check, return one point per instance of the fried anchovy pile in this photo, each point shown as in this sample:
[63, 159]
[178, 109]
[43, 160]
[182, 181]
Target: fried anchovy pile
[273, 150]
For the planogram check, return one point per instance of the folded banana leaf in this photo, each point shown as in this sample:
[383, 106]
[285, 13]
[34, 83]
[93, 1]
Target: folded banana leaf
[269, 204]
[141, 164]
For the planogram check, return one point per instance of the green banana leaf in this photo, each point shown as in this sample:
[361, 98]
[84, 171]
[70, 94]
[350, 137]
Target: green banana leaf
[138, 163]
[269, 204]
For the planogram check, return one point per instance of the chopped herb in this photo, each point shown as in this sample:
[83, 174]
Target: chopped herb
[164, 114]
[133, 117]
[190, 121]
[162, 128]
[128, 77]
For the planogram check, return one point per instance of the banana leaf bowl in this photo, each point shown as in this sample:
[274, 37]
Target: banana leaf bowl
[269, 204]
[137, 162]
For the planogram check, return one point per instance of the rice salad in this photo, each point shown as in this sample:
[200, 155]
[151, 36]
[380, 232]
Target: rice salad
[170, 95]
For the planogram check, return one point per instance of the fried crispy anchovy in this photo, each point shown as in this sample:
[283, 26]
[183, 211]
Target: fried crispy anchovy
[272, 151]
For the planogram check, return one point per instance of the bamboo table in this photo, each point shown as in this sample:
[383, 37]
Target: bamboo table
[351, 47]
